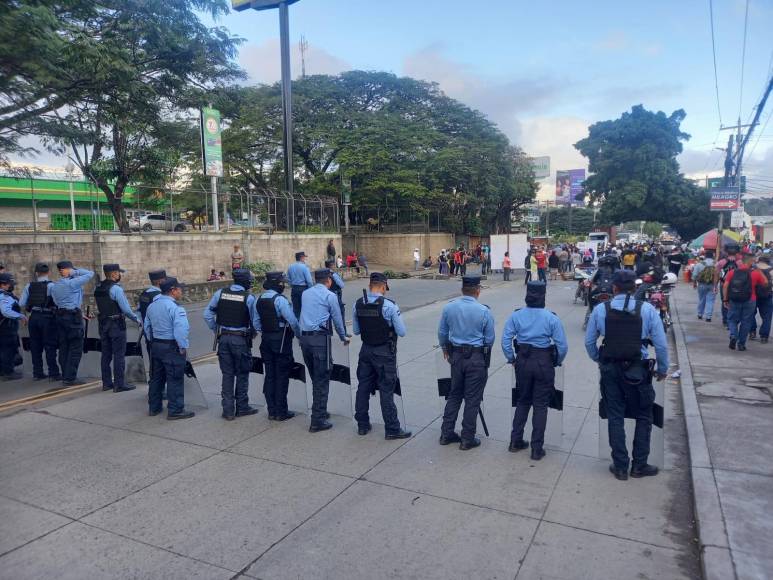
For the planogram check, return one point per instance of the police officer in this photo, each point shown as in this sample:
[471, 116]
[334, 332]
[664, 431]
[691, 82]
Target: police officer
[36, 298]
[231, 315]
[628, 326]
[337, 286]
[112, 307]
[10, 315]
[300, 280]
[67, 294]
[278, 325]
[320, 307]
[378, 321]
[466, 334]
[166, 326]
[534, 341]
[156, 277]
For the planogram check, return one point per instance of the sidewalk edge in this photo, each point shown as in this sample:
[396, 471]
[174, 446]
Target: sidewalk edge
[716, 557]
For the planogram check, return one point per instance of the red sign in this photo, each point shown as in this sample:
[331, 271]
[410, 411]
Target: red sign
[725, 199]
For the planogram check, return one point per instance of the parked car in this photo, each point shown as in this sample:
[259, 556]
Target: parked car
[159, 221]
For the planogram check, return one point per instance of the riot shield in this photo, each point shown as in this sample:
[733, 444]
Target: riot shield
[657, 442]
[374, 406]
[91, 360]
[135, 360]
[443, 370]
[339, 400]
[554, 430]
[193, 393]
[296, 391]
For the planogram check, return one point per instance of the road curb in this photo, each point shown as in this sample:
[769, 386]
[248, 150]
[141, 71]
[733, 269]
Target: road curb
[716, 558]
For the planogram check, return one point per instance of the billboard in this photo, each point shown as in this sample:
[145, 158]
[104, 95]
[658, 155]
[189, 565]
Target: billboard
[569, 189]
[540, 166]
[211, 145]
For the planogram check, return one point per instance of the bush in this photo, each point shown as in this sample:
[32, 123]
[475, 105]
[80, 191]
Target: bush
[395, 275]
[260, 268]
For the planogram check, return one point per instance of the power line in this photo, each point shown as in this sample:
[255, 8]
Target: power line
[743, 57]
[714, 54]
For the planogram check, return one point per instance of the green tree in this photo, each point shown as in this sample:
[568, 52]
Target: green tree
[634, 172]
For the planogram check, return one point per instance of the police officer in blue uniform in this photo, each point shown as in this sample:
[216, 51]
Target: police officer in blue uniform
[628, 327]
[166, 326]
[466, 334]
[231, 315]
[67, 294]
[337, 286]
[320, 308]
[112, 307]
[156, 277]
[10, 315]
[299, 276]
[36, 299]
[278, 326]
[535, 342]
[377, 319]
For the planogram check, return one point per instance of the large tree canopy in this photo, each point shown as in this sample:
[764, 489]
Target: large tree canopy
[635, 174]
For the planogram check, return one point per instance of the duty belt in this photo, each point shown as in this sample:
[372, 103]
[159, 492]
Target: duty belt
[111, 317]
[467, 348]
[68, 310]
[42, 309]
[315, 333]
[234, 332]
[165, 340]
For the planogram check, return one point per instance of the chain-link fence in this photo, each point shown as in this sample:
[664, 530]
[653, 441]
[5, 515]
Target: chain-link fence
[396, 219]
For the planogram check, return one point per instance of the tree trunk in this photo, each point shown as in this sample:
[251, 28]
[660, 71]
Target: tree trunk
[114, 200]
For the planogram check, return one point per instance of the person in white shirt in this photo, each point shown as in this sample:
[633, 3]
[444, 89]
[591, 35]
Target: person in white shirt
[416, 259]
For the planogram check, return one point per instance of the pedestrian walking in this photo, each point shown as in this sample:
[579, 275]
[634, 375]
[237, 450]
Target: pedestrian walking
[36, 300]
[112, 311]
[553, 264]
[627, 326]
[542, 264]
[731, 261]
[740, 297]
[507, 265]
[330, 250]
[764, 301]
[534, 342]
[466, 335]
[232, 316]
[166, 326]
[362, 261]
[377, 320]
[10, 316]
[703, 281]
[67, 294]
[299, 276]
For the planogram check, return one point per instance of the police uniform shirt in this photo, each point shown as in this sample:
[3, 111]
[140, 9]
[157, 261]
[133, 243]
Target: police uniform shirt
[390, 311]
[210, 312]
[167, 320]
[298, 274]
[156, 293]
[651, 328]
[337, 280]
[7, 301]
[319, 306]
[117, 294]
[465, 321]
[67, 292]
[283, 310]
[534, 326]
[25, 293]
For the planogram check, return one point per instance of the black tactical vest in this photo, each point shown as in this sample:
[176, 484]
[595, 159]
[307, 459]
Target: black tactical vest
[335, 288]
[269, 320]
[622, 332]
[232, 310]
[374, 329]
[106, 305]
[38, 296]
[145, 299]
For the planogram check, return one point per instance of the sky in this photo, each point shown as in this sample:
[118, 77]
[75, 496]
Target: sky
[544, 71]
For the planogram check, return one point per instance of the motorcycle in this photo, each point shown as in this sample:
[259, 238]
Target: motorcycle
[583, 275]
[658, 295]
[594, 300]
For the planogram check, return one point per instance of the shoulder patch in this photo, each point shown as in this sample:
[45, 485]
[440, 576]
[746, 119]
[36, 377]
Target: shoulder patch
[517, 310]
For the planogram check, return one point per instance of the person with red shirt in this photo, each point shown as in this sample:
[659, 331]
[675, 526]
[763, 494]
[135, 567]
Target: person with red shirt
[740, 298]
[542, 265]
[731, 260]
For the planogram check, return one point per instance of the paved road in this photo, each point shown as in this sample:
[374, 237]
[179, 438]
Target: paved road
[93, 488]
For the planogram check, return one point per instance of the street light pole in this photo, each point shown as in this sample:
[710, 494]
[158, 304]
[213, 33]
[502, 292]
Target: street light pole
[287, 106]
[69, 168]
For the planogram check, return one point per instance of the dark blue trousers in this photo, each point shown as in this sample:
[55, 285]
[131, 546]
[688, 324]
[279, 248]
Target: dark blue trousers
[377, 368]
[468, 380]
[70, 330]
[9, 344]
[44, 336]
[277, 363]
[295, 297]
[235, 358]
[535, 381]
[112, 335]
[168, 369]
[316, 356]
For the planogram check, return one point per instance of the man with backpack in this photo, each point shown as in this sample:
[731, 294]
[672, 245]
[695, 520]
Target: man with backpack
[740, 296]
[730, 262]
[703, 280]
[764, 301]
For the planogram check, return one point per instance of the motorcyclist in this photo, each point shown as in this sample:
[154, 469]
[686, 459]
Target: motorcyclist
[650, 272]
[601, 282]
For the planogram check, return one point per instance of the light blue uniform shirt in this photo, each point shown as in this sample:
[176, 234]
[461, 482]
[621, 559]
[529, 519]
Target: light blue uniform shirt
[158, 293]
[284, 310]
[167, 320]
[210, 312]
[338, 280]
[389, 310]
[6, 306]
[25, 294]
[68, 292]
[535, 326]
[117, 294]
[319, 306]
[651, 328]
[465, 321]
[298, 274]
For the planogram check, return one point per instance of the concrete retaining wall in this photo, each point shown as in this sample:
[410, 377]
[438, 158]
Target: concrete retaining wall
[397, 249]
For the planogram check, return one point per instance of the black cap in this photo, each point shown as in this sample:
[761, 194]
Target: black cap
[276, 276]
[380, 278]
[624, 279]
[242, 274]
[156, 275]
[63, 264]
[330, 263]
[470, 281]
[535, 294]
[107, 268]
[322, 274]
[169, 284]
[299, 255]
[41, 267]
[6, 278]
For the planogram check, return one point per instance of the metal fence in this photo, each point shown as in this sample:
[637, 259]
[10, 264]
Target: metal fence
[396, 219]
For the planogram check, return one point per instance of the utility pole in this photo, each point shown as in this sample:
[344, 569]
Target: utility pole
[304, 46]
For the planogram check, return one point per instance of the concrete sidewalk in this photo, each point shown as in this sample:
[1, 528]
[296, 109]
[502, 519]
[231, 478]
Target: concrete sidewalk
[730, 426]
[94, 488]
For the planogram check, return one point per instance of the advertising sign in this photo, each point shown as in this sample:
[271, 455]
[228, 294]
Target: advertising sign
[719, 183]
[725, 199]
[540, 166]
[211, 146]
[569, 189]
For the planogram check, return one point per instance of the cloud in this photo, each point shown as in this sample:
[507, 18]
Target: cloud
[262, 61]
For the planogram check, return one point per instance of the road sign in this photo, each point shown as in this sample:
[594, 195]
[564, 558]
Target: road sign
[211, 146]
[736, 219]
[725, 199]
[540, 166]
[719, 183]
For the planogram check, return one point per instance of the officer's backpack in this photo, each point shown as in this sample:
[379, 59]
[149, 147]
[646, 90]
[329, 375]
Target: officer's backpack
[706, 275]
[622, 332]
[740, 287]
